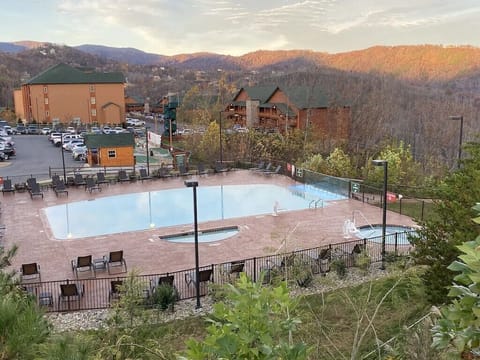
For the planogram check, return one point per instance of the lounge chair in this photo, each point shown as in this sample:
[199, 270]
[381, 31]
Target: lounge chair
[162, 280]
[220, 168]
[268, 167]
[144, 175]
[78, 180]
[204, 277]
[7, 186]
[164, 172]
[60, 188]
[122, 176]
[260, 166]
[236, 267]
[70, 292]
[116, 259]
[30, 182]
[114, 289]
[101, 178]
[31, 272]
[272, 172]
[83, 263]
[35, 190]
[55, 180]
[201, 169]
[91, 185]
[182, 170]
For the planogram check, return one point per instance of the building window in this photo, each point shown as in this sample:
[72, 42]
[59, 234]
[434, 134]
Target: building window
[92, 88]
[47, 114]
[112, 153]
[94, 112]
[93, 101]
[46, 101]
[45, 90]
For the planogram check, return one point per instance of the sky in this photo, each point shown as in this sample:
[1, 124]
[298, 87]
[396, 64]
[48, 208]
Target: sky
[237, 27]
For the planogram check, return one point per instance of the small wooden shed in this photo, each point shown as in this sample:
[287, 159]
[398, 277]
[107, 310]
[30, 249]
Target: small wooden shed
[110, 149]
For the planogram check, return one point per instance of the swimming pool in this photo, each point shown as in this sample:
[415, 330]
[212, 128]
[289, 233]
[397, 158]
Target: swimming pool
[394, 234]
[154, 209]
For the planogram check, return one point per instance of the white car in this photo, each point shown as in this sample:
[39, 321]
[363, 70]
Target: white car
[79, 152]
[68, 145]
[46, 131]
[71, 130]
[135, 122]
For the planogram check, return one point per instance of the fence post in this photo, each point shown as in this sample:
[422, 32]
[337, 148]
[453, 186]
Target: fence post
[423, 208]
[255, 269]
[400, 209]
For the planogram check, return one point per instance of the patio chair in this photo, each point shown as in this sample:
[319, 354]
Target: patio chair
[114, 289]
[70, 292]
[91, 185]
[220, 168]
[144, 175]
[260, 166]
[164, 172]
[83, 263]
[162, 280]
[236, 267]
[30, 272]
[122, 176]
[201, 169]
[7, 186]
[272, 172]
[35, 190]
[30, 182]
[116, 259]
[268, 167]
[60, 188]
[55, 180]
[204, 277]
[78, 180]
[101, 178]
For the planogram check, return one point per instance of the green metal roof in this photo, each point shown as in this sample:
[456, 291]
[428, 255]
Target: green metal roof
[65, 74]
[109, 140]
[260, 93]
[305, 97]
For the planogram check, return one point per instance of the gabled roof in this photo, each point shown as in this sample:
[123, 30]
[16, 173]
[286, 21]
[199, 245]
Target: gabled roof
[260, 93]
[109, 140]
[65, 74]
[305, 97]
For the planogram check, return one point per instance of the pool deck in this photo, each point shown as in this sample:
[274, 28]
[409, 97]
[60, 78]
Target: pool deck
[26, 226]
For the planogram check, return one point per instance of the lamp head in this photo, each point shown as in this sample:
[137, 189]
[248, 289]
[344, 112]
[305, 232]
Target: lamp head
[191, 183]
[379, 162]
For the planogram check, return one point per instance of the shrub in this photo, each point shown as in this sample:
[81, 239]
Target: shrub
[340, 268]
[165, 296]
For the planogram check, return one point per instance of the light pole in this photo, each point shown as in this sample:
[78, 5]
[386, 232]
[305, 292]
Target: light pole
[459, 117]
[220, 137]
[63, 161]
[146, 146]
[383, 163]
[194, 184]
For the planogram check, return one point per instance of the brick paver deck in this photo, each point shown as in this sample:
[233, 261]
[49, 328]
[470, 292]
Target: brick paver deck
[27, 227]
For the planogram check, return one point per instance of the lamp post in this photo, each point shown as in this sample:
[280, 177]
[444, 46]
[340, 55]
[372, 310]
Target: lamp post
[459, 117]
[383, 163]
[194, 184]
[220, 137]
[63, 161]
[146, 146]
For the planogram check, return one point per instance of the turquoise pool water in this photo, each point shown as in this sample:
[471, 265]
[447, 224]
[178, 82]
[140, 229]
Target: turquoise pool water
[155, 209]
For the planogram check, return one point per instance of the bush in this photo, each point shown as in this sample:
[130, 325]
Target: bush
[340, 268]
[165, 297]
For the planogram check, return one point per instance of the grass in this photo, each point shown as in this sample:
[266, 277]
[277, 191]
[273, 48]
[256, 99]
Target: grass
[330, 321]
[415, 209]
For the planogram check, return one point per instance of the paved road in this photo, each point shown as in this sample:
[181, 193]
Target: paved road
[34, 156]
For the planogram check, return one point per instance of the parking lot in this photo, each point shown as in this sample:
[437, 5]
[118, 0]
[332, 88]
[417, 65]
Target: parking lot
[34, 155]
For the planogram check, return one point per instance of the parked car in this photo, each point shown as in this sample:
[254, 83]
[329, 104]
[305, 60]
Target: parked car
[33, 130]
[54, 135]
[79, 153]
[20, 129]
[71, 130]
[8, 129]
[106, 129]
[95, 130]
[8, 149]
[69, 144]
[46, 131]
[135, 122]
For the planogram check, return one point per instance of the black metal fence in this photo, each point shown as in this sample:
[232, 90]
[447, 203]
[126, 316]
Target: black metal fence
[98, 293]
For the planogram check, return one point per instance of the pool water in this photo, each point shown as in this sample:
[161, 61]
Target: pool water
[155, 209]
[374, 233]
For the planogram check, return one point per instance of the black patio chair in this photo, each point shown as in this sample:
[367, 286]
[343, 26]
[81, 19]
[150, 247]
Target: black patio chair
[35, 190]
[78, 180]
[116, 259]
[123, 176]
[7, 186]
[60, 188]
[83, 263]
[144, 175]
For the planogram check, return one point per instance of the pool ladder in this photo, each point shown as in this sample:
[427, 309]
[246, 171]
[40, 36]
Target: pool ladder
[314, 204]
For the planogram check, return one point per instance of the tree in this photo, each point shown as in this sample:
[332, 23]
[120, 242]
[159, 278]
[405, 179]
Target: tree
[458, 326]
[254, 322]
[437, 240]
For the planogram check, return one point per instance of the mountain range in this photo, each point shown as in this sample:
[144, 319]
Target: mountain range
[419, 62]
